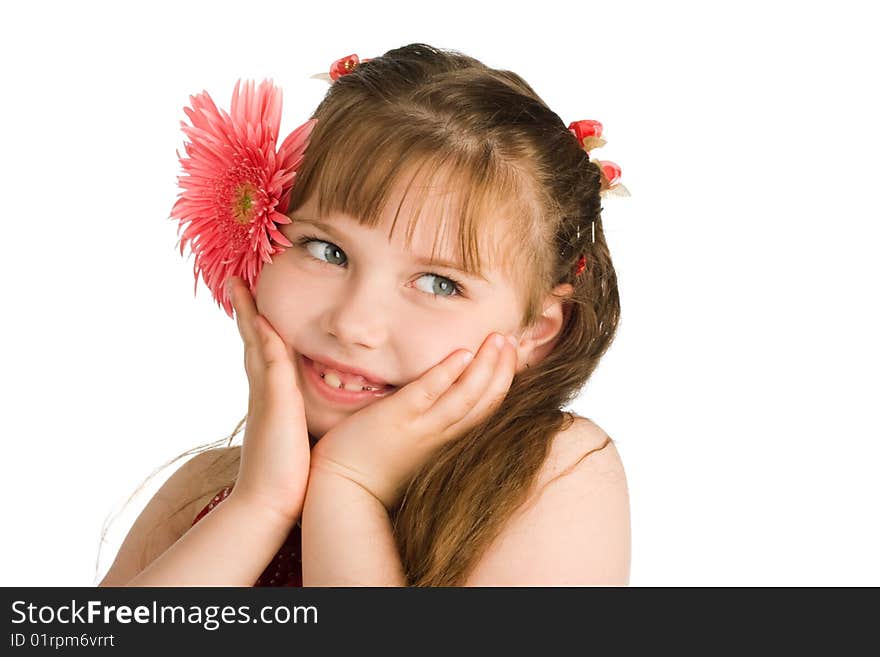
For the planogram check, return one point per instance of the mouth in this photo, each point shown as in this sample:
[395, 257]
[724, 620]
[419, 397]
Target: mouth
[342, 380]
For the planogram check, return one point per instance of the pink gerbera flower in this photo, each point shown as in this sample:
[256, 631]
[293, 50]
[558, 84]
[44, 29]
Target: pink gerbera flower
[238, 186]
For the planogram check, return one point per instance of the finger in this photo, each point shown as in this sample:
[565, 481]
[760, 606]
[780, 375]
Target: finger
[466, 394]
[445, 377]
[277, 365]
[245, 314]
[245, 309]
[421, 394]
[495, 392]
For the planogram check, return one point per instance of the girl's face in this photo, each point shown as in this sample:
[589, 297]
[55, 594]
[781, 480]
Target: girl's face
[345, 293]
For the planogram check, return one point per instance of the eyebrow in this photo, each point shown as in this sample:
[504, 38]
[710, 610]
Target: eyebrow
[435, 262]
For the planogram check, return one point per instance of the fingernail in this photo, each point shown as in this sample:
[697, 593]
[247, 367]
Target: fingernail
[467, 358]
[511, 340]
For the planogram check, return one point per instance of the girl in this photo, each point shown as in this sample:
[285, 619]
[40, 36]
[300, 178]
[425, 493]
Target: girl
[404, 422]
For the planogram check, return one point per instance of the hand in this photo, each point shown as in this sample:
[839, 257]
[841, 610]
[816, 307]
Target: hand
[382, 446]
[275, 454]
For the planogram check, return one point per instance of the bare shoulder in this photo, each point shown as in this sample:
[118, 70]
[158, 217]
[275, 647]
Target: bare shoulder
[170, 512]
[583, 446]
[219, 466]
[574, 527]
[197, 481]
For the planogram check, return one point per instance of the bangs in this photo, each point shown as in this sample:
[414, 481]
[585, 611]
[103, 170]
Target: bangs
[358, 169]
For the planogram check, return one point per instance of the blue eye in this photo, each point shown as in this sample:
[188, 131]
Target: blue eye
[443, 287]
[330, 250]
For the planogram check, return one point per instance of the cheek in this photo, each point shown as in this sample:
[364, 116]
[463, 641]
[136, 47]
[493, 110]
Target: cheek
[424, 344]
[283, 300]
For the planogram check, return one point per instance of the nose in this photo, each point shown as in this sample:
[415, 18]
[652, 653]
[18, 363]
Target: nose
[357, 315]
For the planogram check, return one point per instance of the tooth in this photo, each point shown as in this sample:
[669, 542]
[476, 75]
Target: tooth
[335, 382]
[324, 369]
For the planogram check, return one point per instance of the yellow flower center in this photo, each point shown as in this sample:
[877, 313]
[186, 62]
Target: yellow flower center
[243, 203]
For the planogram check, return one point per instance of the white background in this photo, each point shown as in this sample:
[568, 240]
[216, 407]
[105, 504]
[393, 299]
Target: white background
[741, 389]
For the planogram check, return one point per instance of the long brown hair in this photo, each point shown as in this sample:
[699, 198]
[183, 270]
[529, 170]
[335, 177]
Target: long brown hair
[420, 108]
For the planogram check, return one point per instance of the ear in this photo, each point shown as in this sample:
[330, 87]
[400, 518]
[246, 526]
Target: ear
[539, 340]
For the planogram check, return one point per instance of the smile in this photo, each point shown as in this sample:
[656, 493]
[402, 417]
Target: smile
[329, 383]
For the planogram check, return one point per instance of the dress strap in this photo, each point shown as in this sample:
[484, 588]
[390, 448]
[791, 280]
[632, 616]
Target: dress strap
[219, 497]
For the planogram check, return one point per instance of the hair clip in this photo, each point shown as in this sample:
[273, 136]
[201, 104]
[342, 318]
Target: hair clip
[342, 66]
[588, 133]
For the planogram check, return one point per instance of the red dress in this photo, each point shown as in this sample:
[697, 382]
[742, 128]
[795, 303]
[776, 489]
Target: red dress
[286, 568]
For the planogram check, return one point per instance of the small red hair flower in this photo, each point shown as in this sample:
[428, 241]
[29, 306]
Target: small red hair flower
[238, 187]
[588, 133]
[342, 66]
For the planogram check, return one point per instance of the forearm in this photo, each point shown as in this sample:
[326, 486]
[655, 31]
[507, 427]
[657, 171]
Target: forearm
[347, 535]
[230, 546]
